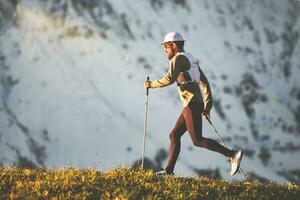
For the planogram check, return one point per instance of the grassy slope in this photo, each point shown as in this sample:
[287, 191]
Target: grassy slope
[123, 183]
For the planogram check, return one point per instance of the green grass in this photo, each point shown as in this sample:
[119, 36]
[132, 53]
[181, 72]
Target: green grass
[124, 183]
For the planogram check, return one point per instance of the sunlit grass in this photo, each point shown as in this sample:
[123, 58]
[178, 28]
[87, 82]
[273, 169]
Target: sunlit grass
[124, 183]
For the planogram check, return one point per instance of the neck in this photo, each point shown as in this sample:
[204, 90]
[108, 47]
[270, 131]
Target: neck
[177, 52]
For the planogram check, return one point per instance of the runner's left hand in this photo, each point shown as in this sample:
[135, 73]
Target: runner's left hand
[206, 114]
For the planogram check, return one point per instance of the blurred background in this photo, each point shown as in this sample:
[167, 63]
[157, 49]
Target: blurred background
[72, 73]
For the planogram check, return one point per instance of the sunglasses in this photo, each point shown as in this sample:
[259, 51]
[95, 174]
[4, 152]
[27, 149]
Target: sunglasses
[167, 45]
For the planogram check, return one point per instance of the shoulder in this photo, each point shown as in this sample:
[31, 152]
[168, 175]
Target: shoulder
[181, 60]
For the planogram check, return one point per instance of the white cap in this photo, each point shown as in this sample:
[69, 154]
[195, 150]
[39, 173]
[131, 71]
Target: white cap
[172, 37]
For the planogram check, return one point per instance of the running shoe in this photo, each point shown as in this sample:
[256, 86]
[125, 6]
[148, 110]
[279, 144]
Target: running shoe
[235, 162]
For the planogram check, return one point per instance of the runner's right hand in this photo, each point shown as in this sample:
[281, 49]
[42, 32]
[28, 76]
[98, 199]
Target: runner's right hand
[147, 84]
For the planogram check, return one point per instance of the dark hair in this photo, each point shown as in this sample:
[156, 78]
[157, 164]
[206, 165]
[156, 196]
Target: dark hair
[179, 44]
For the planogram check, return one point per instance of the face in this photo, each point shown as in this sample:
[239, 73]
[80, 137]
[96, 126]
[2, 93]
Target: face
[170, 49]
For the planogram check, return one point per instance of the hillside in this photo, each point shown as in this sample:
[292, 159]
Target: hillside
[72, 72]
[124, 183]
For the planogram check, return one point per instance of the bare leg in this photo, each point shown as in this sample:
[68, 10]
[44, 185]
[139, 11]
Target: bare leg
[175, 135]
[193, 121]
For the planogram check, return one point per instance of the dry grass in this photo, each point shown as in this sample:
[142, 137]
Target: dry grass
[124, 183]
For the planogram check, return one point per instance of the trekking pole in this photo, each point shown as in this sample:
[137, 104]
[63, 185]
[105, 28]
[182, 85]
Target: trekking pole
[223, 143]
[145, 124]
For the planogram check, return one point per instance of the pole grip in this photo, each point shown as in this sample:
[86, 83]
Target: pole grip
[147, 90]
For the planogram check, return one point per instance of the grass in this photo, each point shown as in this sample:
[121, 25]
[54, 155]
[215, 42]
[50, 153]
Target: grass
[125, 183]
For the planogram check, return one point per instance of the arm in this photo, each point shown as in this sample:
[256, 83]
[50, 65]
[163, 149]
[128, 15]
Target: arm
[165, 81]
[176, 66]
[207, 96]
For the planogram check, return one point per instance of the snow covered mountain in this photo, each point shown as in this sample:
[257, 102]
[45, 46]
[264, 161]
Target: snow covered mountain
[72, 72]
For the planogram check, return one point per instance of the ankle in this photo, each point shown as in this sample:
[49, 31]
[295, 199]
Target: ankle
[231, 153]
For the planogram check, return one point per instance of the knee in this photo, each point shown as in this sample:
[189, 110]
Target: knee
[200, 142]
[196, 143]
[203, 143]
[173, 137]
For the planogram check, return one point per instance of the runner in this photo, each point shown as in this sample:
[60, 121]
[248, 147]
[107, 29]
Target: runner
[184, 69]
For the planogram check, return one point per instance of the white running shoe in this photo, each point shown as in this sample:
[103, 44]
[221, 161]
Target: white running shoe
[163, 173]
[235, 162]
